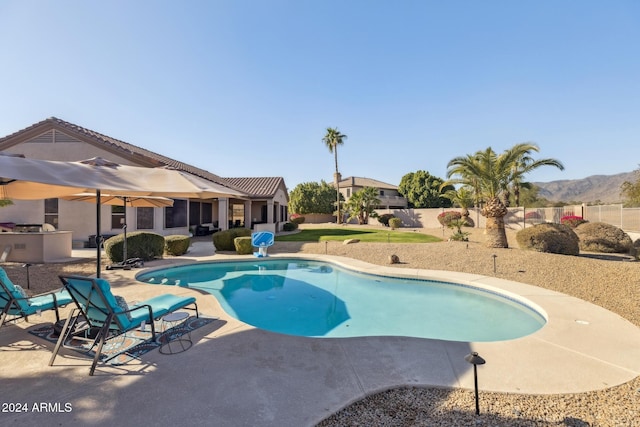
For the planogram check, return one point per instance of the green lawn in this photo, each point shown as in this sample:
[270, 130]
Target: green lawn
[388, 235]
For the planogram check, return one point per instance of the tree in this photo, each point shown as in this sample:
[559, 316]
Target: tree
[332, 139]
[631, 191]
[523, 165]
[462, 197]
[423, 190]
[492, 174]
[362, 203]
[312, 197]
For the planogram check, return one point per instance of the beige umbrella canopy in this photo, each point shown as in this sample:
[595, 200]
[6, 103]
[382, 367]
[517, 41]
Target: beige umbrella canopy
[132, 201]
[31, 179]
[13, 184]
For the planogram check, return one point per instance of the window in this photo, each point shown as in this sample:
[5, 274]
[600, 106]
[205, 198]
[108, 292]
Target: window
[207, 213]
[348, 192]
[176, 215]
[144, 218]
[117, 216]
[382, 192]
[200, 213]
[51, 212]
[194, 213]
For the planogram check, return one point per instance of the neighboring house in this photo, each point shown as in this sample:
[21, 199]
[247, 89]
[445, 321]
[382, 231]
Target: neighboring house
[387, 193]
[54, 139]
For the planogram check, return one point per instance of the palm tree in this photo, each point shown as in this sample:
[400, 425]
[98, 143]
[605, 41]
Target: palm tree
[525, 164]
[332, 139]
[492, 174]
[362, 203]
[463, 197]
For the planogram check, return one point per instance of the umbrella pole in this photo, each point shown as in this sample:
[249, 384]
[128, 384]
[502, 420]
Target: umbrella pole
[98, 237]
[124, 226]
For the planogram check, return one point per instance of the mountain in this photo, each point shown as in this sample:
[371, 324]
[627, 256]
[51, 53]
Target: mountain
[602, 188]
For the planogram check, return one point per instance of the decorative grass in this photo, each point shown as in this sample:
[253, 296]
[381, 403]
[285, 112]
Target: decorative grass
[382, 236]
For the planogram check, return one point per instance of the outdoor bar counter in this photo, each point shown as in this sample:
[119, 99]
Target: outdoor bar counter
[36, 247]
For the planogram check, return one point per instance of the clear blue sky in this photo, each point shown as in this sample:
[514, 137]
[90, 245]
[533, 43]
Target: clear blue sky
[248, 87]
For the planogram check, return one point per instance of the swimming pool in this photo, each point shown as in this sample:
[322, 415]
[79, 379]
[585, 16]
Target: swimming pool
[320, 299]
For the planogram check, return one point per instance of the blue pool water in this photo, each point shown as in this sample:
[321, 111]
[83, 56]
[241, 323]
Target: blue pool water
[319, 299]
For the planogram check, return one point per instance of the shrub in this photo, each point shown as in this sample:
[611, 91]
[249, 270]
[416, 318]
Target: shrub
[223, 240]
[140, 244]
[395, 223]
[572, 220]
[446, 217]
[176, 245]
[243, 245]
[550, 238]
[296, 219]
[635, 249]
[384, 219]
[289, 226]
[459, 235]
[602, 237]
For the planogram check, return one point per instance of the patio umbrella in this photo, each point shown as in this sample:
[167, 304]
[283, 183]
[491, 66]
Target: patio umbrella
[124, 201]
[31, 179]
[131, 201]
[16, 181]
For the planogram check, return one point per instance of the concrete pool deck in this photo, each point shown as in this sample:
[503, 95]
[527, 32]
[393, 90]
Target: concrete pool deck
[237, 375]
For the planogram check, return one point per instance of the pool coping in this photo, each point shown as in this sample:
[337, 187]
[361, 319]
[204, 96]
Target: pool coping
[238, 375]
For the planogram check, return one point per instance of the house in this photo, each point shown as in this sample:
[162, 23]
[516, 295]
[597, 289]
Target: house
[387, 193]
[54, 139]
[267, 203]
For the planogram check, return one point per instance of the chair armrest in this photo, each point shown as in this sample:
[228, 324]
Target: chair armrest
[138, 308]
[48, 293]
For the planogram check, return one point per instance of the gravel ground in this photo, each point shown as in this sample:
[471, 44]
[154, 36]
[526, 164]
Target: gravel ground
[612, 282]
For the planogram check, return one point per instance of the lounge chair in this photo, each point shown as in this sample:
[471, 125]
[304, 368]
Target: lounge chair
[99, 311]
[17, 304]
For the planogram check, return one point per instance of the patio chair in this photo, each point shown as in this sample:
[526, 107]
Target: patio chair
[101, 317]
[16, 303]
[262, 240]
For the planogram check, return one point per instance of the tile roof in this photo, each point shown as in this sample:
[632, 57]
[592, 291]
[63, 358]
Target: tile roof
[356, 181]
[258, 186]
[125, 149]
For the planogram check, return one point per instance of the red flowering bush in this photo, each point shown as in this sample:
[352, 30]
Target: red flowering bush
[446, 217]
[572, 220]
[296, 218]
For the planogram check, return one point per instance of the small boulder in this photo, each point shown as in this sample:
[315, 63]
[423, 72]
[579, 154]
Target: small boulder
[349, 241]
[394, 259]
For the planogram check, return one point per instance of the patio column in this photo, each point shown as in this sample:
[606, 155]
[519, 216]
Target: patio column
[247, 214]
[270, 218]
[223, 213]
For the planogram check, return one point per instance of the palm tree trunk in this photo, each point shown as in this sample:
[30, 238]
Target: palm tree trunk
[337, 178]
[495, 211]
[496, 234]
